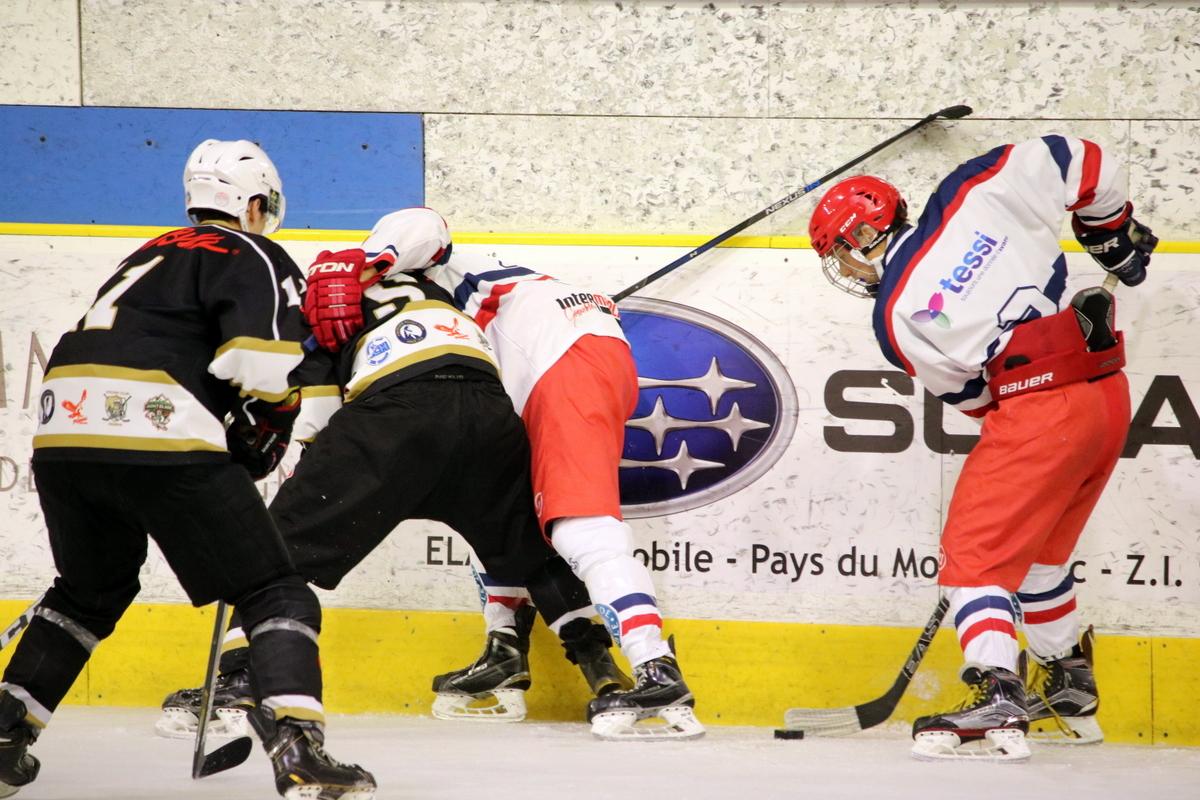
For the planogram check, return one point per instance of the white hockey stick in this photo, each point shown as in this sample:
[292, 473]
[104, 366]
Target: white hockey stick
[20, 623]
[844, 721]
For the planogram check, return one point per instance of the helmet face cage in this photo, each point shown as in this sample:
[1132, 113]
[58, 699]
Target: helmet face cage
[855, 217]
[226, 176]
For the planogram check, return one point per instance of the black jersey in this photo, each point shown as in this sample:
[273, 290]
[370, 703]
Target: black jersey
[190, 324]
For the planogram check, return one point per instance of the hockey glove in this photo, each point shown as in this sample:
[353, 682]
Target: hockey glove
[333, 301]
[259, 434]
[1124, 251]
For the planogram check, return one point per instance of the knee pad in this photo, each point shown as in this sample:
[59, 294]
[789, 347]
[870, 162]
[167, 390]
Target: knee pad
[287, 598]
[586, 542]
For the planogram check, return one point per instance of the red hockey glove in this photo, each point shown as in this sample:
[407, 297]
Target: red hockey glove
[333, 302]
[1124, 250]
[259, 434]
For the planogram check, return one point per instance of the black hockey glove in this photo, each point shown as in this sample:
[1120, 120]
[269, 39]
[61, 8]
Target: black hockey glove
[1124, 251]
[259, 434]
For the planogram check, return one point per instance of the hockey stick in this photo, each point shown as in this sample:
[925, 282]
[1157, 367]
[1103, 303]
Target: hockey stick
[844, 721]
[228, 755]
[953, 112]
[20, 623]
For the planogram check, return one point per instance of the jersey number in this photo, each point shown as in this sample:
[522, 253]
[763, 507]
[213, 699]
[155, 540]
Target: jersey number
[1026, 303]
[384, 294]
[103, 312]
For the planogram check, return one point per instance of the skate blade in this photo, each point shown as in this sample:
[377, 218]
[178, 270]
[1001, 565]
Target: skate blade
[180, 723]
[672, 722]
[8, 791]
[502, 705]
[998, 744]
[1080, 730]
[316, 791]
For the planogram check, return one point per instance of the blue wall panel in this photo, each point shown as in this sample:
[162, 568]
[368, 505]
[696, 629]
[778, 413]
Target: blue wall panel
[124, 166]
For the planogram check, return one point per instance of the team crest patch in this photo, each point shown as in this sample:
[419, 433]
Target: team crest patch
[611, 620]
[377, 351]
[47, 406]
[410, 331]
[115, 406]
[158, 410]
[75, 411]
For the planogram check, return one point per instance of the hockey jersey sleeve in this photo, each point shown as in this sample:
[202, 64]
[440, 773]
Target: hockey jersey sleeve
[254, 298]
[1070, 174]
[320, 392]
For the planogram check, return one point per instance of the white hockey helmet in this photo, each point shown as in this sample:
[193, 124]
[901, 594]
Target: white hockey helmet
[225, 176]
[408, 240]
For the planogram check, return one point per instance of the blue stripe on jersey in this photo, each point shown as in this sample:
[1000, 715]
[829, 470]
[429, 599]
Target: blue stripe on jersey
[970, 391]
[631, 600]
[899, 261]
[470, 282]
[1050, 594]
[1060, 151]
[980, 603]
[1058, 282]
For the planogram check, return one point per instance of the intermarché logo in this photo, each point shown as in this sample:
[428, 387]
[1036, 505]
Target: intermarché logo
[716, 409]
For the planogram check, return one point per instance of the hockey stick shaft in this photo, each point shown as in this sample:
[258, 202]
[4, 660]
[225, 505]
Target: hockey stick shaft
[953, 112]
[20, 623]
[227, 755]
[844, 721]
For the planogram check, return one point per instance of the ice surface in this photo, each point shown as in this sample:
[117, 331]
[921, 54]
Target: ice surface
[89, 753]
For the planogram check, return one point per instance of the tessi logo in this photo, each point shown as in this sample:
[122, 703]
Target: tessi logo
[959, 277]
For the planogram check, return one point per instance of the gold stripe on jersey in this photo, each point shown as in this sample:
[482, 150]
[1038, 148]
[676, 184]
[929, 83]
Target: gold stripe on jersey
[326, 390]
[140, 443]
[262, 345]
[259, 367]
[427, 354]
[108, 371]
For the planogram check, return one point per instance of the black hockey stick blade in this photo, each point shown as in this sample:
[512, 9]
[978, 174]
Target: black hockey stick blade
[227, 756]
[852, 719]
[954, 112]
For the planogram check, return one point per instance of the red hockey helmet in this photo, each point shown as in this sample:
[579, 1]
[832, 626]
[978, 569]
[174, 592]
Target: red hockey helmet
[852, 219]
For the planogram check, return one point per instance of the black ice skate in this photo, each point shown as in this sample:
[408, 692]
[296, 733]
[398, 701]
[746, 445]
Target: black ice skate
[990, 723]
[1062, 693]
[303, 770]
[587, 644]
[659, 706]
[232, 698]
[493, 688]
[17, 766]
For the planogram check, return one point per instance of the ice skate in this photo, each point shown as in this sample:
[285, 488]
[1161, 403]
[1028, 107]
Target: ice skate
[17, 766]
[587, 644]
[232, 698]
[1062, 694]
[303, 770]
[659, 706]
[989, 724]
[493, 688]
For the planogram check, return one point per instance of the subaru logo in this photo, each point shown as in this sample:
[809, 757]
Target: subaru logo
[716, 409]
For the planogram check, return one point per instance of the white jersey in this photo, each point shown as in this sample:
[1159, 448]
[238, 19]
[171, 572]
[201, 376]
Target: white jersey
[985, 257]
[530, 319]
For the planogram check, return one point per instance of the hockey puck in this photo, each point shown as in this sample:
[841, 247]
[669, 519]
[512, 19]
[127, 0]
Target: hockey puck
[784, 733]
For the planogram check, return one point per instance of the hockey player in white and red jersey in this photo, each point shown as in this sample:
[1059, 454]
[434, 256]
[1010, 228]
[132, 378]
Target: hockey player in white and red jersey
[970, 300]
[567, 367]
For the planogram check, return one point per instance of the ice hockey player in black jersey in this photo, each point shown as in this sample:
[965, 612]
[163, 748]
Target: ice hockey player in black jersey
[198, 324]
[409, 420]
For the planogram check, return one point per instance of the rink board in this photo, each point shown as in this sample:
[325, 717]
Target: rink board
[768, 298]
[742, 673]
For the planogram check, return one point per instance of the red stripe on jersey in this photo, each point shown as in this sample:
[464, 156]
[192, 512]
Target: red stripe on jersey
[641, 619]
[491, 304]
[983, 626]
[508, 602]
[951, 209]
[1091, 175]
[1050, 614]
